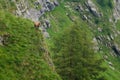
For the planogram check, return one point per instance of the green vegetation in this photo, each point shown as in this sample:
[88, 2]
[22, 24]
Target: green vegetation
[7, 5]
[105, 3]
[56, 31]
[21, 57]
[106, 7]
[73, 51]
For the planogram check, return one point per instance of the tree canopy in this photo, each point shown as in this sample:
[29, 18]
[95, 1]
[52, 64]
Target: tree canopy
[74, 56]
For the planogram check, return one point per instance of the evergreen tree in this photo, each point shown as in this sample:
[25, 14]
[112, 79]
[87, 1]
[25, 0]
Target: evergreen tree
[75, 58]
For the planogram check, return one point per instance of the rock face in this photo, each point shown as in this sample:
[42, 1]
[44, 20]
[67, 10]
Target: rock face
[93, 9]
[79, 8]
[25, 10]
[116, 50]
[33, 14]
[55, 2]
[50, 5]
[45, 25]
[116, 13]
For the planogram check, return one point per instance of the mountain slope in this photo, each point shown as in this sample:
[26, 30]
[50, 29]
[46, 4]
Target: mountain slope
[21, 54]
[65, 15]
[26, 52]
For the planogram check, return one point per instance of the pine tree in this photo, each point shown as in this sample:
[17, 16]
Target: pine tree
[75, 59]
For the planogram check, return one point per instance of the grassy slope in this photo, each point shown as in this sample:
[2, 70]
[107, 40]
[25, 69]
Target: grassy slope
[21, 57]
[105, 24]
[60, 21]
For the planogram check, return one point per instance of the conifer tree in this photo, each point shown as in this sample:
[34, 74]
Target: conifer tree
[75, 59]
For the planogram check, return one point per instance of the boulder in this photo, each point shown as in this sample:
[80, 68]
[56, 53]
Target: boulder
[112, 67]
[50, 5]
[33, 15]
[116, 50]
[47, 22]
[84, 17]
[42, 11]
[99, 29]
[105, 57]
[45, 26]
[111, 37]
[36, 3]
[95, 45]
[79, 8]
[46, 34]
[56, 3]
[110, 63]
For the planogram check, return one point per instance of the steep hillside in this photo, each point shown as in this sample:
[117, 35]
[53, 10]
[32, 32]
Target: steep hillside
[104, 33]
[21, 51]
[60, 47]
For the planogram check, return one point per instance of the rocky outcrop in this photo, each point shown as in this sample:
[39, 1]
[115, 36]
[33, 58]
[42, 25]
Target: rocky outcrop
[34, 13]
[108, 41]
[45, 25]
[116, 49]
[79, 8]
[116, 10]
[24, 9]
[92, 8]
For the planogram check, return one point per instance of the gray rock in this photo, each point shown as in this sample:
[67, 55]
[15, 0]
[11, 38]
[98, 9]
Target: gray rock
[46, 34]
[79, 8]
[112, 67]
[24, 9]
[116, 12]
[41, 2]
[45, 26]
[33, 14]
[110, 63]
[47, 22]
[42, 11]
[111, 37]
[84, 17]
[95, 45]
[36, 3]
[105, 57]
[108, 38]
[91, 6]
[50, 5]
[47, 0]
[116, 49]
[56, 3]
[99, 29]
